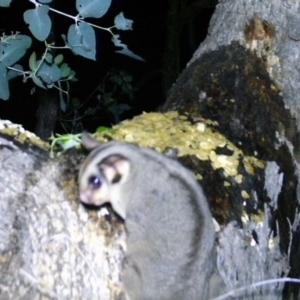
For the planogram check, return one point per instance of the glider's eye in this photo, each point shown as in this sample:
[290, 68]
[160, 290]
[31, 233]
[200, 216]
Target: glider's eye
[95, 182]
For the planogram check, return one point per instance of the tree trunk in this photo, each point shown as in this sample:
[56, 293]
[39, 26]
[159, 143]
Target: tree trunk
[47, 113]
[51, 247]
[244, 76]
[181, 37]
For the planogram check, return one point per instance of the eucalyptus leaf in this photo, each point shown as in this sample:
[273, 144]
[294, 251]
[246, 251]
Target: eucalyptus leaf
[49, 58]
[92, 8]
[38, 81]
[58, 59]
[49, 74]
[72, 77]
[65, 70]
[39, 21]
[122, 23]
[125, 50]
[13, 73]
[82, 40]
[4, 90]
[32, 62]
[5, 3]
[13, 48]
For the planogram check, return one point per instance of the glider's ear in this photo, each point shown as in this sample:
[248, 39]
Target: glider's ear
[89, 142]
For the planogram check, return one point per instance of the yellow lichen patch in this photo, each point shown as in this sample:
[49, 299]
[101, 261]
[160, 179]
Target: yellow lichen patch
[245, 218]
[239, 178]
[21, 135]
[273, 242]
[199, 176]
[228, 163]
[171, 130]
[251, 163]
[201, 127]
[259, 218]
[245, 195]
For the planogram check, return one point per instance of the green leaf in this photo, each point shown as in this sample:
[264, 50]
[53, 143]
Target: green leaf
[117, 110]
[63, 36]
[38, 81]
[39, 22]
[122, 23]
[127, 78]
[65, 70]
[116, 40]
[12, 48]
[126, 88]
[102, 129]
[5, 3]
[4, 90]
[58, 59]
[81, 39]
[12, 73]
[92, 8]
[49, 58]
[49, 74]
[32, 62]
[72, 76]
[66, 142]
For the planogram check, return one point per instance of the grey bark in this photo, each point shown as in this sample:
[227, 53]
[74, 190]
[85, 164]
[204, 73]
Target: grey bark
[279, 52]
[245, 77]
[51, 247]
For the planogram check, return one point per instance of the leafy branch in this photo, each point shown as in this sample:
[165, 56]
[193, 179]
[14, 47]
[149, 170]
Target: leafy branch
[49, 71]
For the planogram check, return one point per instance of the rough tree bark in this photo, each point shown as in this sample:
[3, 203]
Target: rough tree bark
[181, 14]
[47, 113]
[50, 246]
[245, 77]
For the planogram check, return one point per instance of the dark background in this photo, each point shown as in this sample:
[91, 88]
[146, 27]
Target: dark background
[147, 39]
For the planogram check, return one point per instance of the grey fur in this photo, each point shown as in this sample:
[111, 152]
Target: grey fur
[170, 235]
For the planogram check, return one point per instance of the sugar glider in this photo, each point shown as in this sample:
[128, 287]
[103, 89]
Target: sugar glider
[169, 230]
